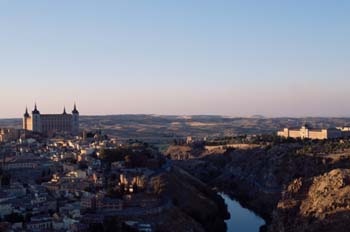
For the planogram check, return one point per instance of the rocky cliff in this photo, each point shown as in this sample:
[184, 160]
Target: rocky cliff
[264, 179]
[193, 206]
[320, 203]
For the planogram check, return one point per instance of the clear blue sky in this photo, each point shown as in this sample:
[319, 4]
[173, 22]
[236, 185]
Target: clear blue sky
[275, 58]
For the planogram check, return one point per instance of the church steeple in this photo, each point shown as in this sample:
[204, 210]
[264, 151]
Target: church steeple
[64, 110]
[75, 111]
[26, 114]
[35, 111]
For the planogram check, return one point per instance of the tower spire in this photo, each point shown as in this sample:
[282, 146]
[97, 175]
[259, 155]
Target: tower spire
[35, 111]
[75, 111]
[64, 110]
[26, 114]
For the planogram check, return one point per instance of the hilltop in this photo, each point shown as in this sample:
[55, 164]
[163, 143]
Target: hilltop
[160, 129]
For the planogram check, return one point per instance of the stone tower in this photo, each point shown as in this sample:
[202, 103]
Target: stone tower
[26, 118]
[75, 120]
[36, 120]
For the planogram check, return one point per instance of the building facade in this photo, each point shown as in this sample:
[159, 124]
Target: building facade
[9, 134]
[51, 123]
[306, 132]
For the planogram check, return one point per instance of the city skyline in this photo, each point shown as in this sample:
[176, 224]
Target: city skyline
[233, 58]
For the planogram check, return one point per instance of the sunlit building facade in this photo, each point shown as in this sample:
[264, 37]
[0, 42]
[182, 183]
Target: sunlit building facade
[52, 123]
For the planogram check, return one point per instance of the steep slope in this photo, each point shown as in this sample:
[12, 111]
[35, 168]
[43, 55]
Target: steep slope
[190, 205]
[197, 200]
[320, 203]
[258, 177]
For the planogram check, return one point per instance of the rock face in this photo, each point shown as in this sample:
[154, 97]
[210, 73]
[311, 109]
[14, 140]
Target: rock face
[193, 205]
[197, 200]
[320, 203]
[182, 152]
[185, 152]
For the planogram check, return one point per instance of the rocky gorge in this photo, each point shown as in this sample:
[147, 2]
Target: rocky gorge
[294, 186]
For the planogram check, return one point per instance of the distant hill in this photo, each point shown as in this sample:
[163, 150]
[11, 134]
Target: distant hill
[164, 128]
[257, 116]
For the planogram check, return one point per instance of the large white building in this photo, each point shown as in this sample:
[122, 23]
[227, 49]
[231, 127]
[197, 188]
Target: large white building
[51, 123]
[306, 132]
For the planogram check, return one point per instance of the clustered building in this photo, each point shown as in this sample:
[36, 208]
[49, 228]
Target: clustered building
[62, 183]
[8, 134]
[306, 132]
[51, 123]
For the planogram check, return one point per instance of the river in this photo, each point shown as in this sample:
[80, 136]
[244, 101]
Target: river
[242, 219]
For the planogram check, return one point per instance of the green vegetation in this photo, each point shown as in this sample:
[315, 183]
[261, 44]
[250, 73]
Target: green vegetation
[324, 147]
[262, 139]
[134, 154]
[5, 178]
[14, 217]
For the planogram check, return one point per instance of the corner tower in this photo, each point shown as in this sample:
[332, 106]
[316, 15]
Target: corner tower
[75, 120]
[26, 120]
[36, 120]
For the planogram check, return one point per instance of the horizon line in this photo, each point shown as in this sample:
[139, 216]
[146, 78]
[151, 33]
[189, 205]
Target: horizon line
[194, 115]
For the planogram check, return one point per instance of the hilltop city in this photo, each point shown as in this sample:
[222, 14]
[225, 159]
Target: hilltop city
[57, 176]
[174, 116]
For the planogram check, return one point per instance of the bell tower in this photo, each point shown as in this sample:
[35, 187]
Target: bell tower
[26, 118]
[36, 120]
[75, 120]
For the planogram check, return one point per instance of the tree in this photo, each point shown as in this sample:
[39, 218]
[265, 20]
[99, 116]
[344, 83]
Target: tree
[5, 179]
[14, 217]
[83, 165]
[112, 155]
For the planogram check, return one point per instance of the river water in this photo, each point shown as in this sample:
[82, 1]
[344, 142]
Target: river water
[242, 219]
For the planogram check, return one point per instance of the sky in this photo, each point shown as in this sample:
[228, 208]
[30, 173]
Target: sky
[236, 58]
